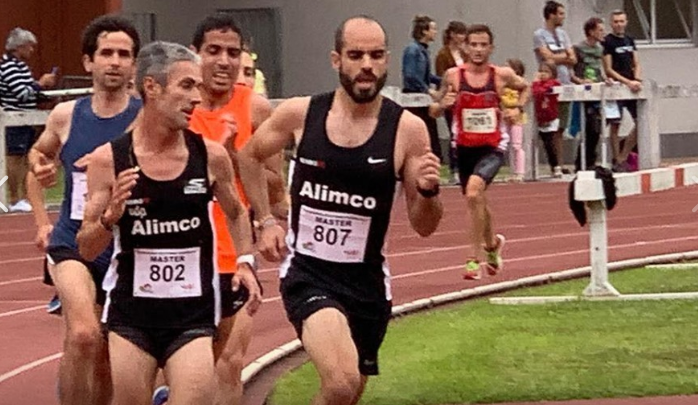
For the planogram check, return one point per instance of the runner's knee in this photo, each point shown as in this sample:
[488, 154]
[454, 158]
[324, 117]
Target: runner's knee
[342, 386]
[84, 338]
[473, 193]
[231, 361]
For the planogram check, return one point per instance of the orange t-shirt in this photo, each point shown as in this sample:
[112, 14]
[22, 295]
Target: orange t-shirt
[211, 125]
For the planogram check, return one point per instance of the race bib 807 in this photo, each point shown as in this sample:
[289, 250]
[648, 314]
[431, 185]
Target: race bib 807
[332, 236]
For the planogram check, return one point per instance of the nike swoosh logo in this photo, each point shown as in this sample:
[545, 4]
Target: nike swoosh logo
[374, 161]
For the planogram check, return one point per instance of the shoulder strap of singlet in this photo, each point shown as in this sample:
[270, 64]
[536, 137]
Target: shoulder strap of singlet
[196, 145]
[465, 86]
[314, 127]
[389, 120]
[121, 150]
[491, 85]
[77, 111]
[463, 82]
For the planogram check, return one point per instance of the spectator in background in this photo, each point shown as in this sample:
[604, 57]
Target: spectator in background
[416, 73]
[552, 44]
[622, 64]
[587, 70]
[18, 92]
[546, 109]
[514, 122]
[451, 55]
[249, 75]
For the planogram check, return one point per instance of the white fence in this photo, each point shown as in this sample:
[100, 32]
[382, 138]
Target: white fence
[648, 116]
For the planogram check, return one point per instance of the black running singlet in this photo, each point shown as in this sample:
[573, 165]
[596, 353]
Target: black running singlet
[341, 199]
[162, 274]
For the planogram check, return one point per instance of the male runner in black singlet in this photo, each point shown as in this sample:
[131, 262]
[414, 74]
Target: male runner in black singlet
[353, 145]
[151, 190]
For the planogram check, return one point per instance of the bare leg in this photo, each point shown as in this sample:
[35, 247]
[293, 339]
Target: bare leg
[615, 142]
[630, 143]
[557, 141]
[327, 340]
[16, 172]
[488, 235]
[364, 380]
[133, 372]
[83, 371]
[190, 373]
[477, 205]
[229, 362]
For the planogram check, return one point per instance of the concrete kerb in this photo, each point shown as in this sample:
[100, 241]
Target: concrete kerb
[266, 360]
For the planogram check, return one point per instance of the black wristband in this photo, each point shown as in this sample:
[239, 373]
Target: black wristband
[428, 193]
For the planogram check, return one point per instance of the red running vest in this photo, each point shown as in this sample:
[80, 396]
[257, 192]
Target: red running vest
[476, 113]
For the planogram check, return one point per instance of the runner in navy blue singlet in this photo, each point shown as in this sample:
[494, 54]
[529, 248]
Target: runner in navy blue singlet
[73, 130]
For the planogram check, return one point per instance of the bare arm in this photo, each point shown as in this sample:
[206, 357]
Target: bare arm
[269, 140]
[44, 153]
[516, 82]
[446, 96]
[44, 227]
[571, 57]
[106, 198]
[577, 71]
[222, 174]
[273, 166]
[420, 170]
[608, 68]
[567, 58]
[637, 70]
[43, 171]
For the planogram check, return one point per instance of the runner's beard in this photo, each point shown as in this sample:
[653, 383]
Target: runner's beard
[362, 96]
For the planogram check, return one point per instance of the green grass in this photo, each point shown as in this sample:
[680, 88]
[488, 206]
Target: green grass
[478, 352]
[55, 195]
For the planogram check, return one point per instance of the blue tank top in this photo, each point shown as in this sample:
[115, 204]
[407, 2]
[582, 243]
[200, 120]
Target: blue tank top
[87, 132]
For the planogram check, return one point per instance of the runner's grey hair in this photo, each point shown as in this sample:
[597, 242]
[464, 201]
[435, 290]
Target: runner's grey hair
[155, 59]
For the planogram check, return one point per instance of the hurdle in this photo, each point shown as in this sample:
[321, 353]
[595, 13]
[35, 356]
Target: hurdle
[589, 190]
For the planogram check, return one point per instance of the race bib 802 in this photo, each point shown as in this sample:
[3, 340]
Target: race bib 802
[167, 273]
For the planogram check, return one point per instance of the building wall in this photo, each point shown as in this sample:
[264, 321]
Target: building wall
[58, 26]
[307, 28]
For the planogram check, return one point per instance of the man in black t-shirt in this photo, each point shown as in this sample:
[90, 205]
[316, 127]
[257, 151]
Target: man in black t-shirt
[621, 63]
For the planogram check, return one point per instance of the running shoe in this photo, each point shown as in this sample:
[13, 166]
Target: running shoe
[495, 264]
[21, 206]
[54, 306]
[472, 270]
[161, 395]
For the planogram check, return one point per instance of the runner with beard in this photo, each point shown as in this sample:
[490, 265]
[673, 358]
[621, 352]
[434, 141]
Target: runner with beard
[473, 90]
[353, 146]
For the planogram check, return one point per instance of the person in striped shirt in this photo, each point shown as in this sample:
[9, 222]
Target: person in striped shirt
[18, 92]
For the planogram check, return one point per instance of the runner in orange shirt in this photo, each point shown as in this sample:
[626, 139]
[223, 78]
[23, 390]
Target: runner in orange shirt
[228, 111]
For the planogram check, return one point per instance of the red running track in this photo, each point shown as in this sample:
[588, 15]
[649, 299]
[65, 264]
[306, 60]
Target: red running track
[542, 236]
